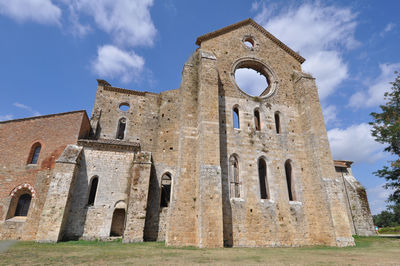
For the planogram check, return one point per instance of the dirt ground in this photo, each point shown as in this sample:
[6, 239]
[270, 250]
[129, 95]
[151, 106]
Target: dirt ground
[368, 251]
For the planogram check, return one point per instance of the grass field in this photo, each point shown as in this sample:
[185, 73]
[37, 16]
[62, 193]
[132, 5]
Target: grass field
[368, 251]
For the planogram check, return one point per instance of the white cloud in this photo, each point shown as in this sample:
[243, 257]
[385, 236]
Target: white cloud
[330, 114]
[6, 117]
[355, 143]
[388, 28]
[375, 94]
[250, 81]
[40, 11]
[27, 108]
[377, 197]
[128, 22]
[116, 63]
[320, 34]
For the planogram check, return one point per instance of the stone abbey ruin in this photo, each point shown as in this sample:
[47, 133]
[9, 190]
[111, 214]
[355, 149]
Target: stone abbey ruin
[203, 165]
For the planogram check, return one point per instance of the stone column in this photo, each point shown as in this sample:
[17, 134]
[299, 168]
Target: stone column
[329, 226]
[210, 180]
[137, 199]
[56, 208]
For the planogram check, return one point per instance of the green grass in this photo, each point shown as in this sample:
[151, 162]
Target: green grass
[368, 250]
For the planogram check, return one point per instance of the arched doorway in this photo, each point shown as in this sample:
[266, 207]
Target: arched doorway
[118, 223]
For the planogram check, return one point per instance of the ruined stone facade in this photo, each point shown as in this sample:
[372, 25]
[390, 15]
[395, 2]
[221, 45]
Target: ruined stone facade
[174, 166]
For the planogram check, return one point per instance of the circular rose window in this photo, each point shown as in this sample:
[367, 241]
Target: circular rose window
[254, 78]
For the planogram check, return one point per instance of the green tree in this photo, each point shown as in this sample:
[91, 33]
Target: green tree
[386, 130]
[389, 217]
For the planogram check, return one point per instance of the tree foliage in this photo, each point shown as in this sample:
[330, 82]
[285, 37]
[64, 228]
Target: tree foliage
[386, 130]
[388, 218]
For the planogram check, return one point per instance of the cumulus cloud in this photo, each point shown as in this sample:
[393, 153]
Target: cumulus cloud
[377, 88]
[27, 108]
[116, 63]
[355, 143]
[40, 11]
[377, 198]
[6, 117]
[128, 22]
[320, 33]
[250, 81]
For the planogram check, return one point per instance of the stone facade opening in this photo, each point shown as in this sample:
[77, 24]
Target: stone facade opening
[277, 123]
[124, 107]
[24, 202]
[252, 78]
[262, 176]
[118, 223]
[249, 42]
[234, 177]
[121, 128]
[257, 123]
[20, 203]
[289, 180]
[166, 182]
[236, 122]
[93, 190]
[34, 154]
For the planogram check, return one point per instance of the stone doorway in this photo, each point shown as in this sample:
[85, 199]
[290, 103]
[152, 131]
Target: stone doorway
[118, 223]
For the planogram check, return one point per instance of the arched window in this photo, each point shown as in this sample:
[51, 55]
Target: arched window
[277, 123]
[166, 181]
[262, 176]
[34, 154]
[289, 180]
[93, 190]
[234, 177]
[257, 120]
[236, 123]
[23, 204]
[121, 128]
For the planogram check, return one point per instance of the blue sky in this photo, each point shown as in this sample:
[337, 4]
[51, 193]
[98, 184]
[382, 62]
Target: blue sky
[52, 51]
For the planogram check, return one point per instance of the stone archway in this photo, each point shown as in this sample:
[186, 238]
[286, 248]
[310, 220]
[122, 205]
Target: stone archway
[118, 223]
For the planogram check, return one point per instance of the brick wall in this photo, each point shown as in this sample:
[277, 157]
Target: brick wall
[53, 132]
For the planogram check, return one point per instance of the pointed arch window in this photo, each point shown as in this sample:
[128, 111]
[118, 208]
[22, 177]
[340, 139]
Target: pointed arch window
[257, 123]
[236, 122]
[262, 176]
[277, 123]
[93, 190]
[34, 154]
[166, 182]
[289, 180]
[234, 179]
[121, 128]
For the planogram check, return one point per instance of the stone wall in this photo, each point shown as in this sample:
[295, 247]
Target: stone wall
[357, 202]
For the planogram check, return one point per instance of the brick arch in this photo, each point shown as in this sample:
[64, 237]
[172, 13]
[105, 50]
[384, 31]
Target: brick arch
[22, 186]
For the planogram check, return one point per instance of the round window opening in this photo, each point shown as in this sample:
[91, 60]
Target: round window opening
[249, 42]
[252, 80]
[124, 107]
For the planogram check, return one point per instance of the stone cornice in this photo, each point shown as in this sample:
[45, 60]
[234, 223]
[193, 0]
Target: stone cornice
[126, 91]
[257, 26]
[110, 144]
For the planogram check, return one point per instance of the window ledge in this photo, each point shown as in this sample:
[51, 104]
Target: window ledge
[267, 201]
[237, 200]
[31, 166]
[17, 219]
[293, 202]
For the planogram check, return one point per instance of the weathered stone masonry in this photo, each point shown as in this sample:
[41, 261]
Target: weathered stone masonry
[173, 166]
